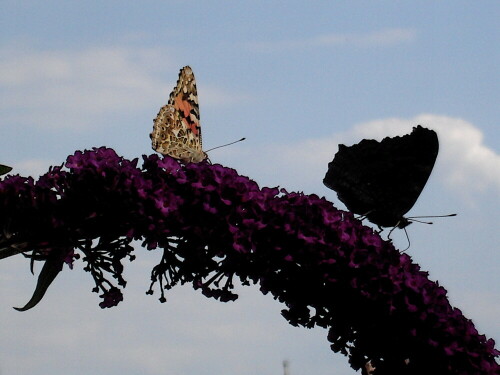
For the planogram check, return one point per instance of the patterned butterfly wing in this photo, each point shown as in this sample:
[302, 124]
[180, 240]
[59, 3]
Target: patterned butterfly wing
[176, 129]
[383, 180]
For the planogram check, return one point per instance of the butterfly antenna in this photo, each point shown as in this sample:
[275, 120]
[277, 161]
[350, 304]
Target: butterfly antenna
[420, 221]
[228, 144]
[414, 218]
[449, 215]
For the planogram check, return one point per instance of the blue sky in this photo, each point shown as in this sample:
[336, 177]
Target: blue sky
[296, 78]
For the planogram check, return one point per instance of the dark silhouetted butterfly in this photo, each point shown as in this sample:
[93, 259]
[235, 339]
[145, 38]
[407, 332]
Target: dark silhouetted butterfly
[382, 180]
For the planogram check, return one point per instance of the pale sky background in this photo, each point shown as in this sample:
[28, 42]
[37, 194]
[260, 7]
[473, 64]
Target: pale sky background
[296, 78]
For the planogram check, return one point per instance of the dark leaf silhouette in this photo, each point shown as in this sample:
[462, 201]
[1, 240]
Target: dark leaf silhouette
[51, 268]
[4, 169]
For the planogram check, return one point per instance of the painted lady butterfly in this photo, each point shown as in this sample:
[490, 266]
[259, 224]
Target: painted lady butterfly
[176, 129]
[383, 180]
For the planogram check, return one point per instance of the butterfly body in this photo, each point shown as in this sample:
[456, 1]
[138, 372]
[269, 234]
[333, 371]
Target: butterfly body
[176, 128]
[383, 180]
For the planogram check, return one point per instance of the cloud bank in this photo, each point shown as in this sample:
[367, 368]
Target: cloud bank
[467, 166]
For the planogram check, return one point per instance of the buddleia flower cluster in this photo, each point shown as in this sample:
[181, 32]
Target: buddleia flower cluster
[212, 226]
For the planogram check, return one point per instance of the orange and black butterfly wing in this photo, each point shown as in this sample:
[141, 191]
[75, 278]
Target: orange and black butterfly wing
[176, 129]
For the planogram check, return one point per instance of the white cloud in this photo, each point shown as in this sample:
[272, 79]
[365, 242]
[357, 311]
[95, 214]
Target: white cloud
[72, 88]
[467, 166]
[379, 38]
[77, 88]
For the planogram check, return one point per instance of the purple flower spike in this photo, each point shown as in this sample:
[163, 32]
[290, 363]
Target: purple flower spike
[213, 225]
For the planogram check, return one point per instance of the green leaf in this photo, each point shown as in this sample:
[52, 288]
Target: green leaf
[4, 169]
[49, 271]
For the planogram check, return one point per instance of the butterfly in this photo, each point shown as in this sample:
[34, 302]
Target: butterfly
[176, 128]
[382, 180]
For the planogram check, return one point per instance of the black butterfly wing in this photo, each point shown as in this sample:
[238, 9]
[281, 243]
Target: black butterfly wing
[383, 180]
